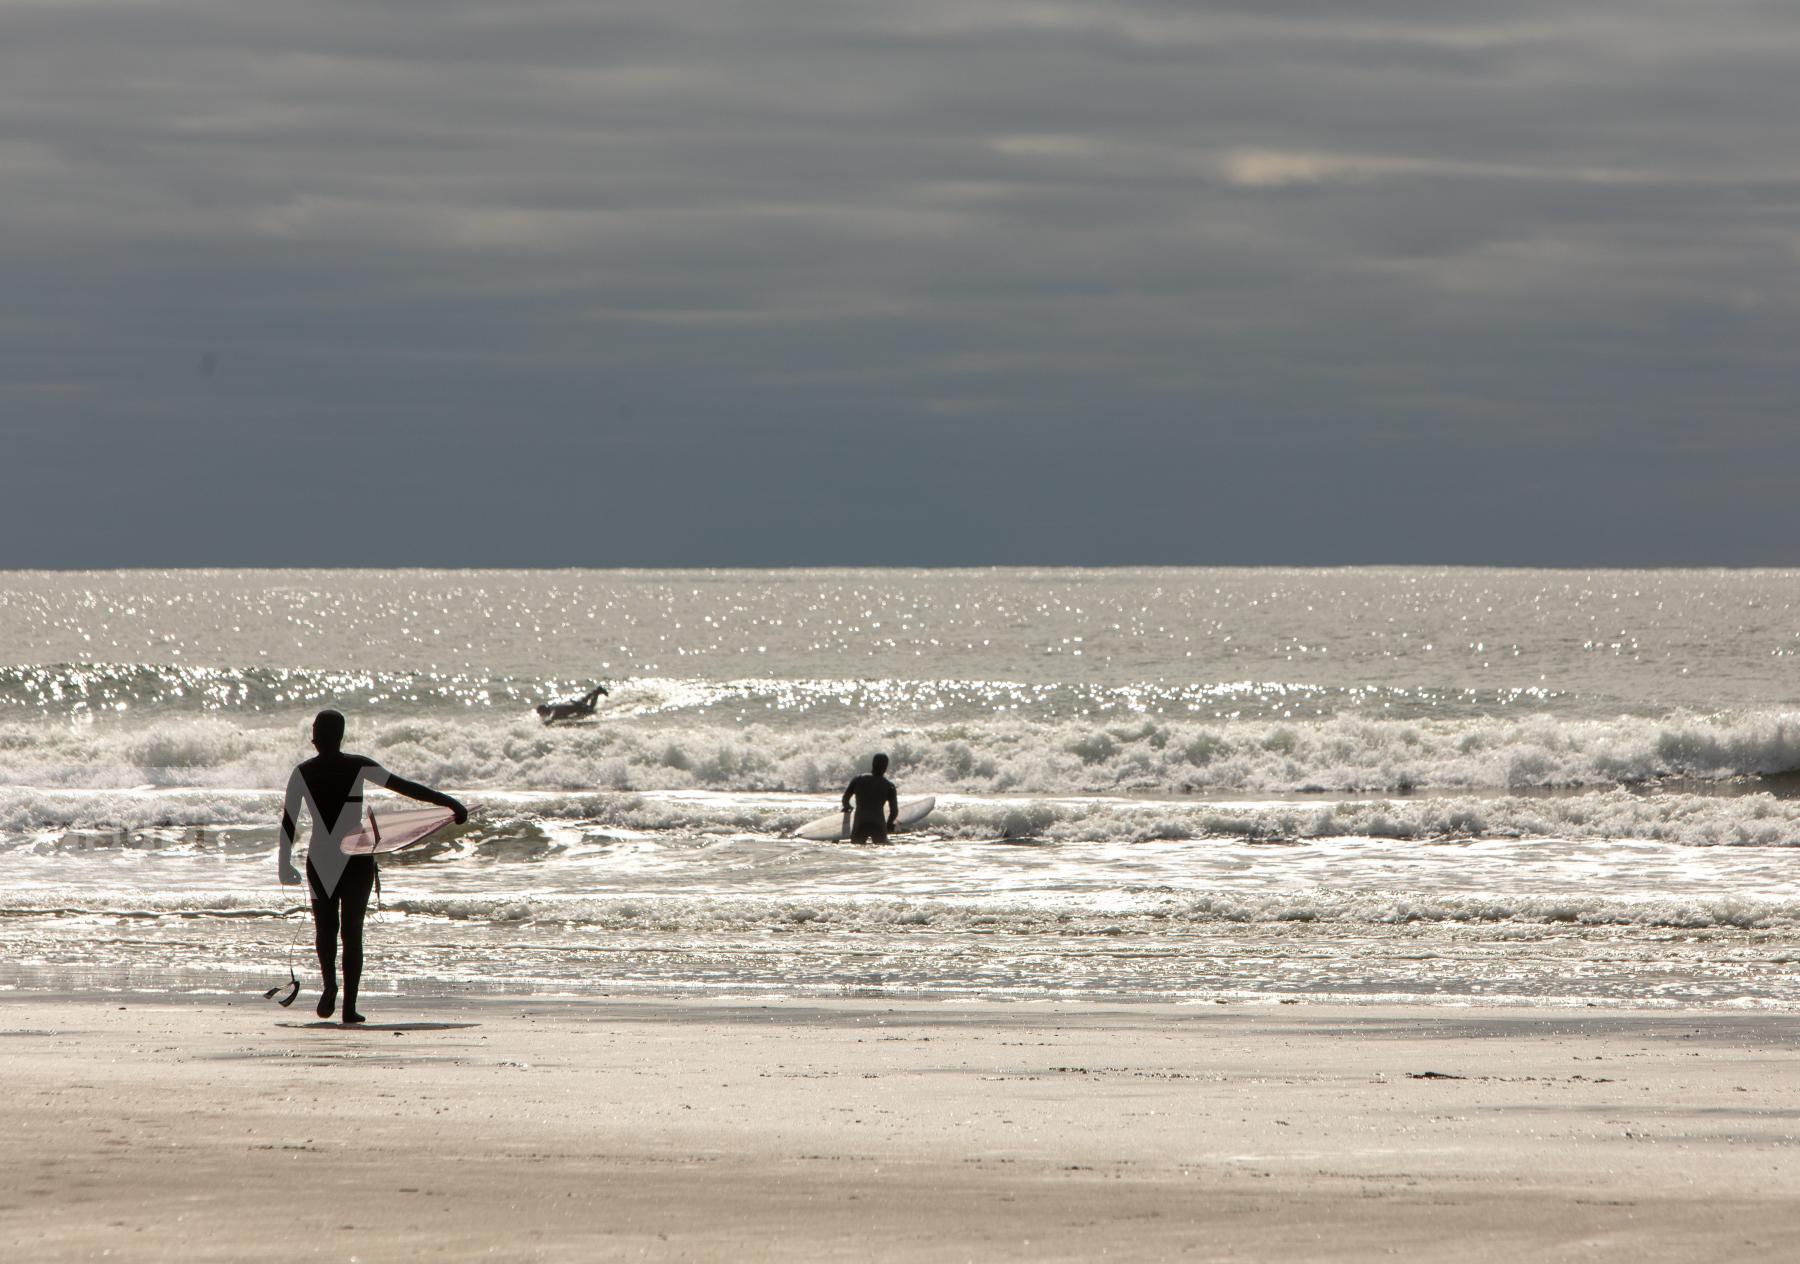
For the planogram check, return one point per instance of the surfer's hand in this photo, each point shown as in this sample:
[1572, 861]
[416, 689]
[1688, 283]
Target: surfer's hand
[290, 876]
[462, 813]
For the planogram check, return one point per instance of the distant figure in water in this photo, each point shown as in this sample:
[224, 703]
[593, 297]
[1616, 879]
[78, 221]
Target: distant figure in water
[572, 708]
[331, 785]
[871, 793]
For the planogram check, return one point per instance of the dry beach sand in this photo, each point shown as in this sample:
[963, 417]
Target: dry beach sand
[577, 1130]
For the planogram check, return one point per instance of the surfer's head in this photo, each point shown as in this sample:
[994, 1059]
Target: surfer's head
[878, 765]
[328, 731]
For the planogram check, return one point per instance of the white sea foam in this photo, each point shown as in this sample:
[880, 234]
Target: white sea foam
[1150, 915]
[995, 755]
[1155, 918]
[550, 821]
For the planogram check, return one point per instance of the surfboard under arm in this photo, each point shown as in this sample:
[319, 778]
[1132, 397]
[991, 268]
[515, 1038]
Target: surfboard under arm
[836, 827]
[390, 829]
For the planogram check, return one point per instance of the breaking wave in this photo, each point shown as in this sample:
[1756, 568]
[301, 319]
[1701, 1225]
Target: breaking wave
[995, 754]
[538, 826]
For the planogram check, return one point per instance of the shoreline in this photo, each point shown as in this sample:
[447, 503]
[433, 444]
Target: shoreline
[529, 1128]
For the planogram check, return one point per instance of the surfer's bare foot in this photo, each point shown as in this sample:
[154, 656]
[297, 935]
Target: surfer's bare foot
[351, 1016]
[328, 1001]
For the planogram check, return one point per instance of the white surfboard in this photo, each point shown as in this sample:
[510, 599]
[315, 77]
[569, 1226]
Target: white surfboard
[390, 829]
[836, 827]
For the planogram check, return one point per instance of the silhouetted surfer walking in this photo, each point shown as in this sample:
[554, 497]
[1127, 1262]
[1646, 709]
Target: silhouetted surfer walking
[331, 784]
[872, 792]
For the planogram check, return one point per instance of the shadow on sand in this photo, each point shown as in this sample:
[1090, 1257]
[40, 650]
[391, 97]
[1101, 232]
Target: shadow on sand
[326, 1024]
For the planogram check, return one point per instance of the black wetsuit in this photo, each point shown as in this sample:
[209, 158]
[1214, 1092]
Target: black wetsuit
[572, 708]
[873, 793]
[341, 913]
[331, 784]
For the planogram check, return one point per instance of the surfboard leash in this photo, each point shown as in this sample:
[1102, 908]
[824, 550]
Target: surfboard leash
[375, 829]
[284, 994]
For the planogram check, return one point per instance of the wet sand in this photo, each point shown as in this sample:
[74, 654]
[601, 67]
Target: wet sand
[575, 1130]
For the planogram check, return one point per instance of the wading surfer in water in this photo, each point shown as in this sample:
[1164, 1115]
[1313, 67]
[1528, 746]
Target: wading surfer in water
[331, 785]
[872, 792]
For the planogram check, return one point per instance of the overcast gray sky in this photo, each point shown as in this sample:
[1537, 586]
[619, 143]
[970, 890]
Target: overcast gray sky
[899, 281]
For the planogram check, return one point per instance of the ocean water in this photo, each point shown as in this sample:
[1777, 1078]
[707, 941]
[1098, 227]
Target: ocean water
[1456, 786]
